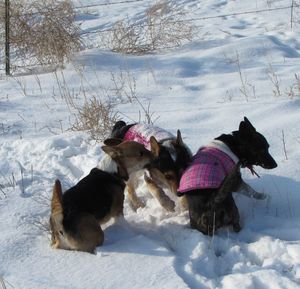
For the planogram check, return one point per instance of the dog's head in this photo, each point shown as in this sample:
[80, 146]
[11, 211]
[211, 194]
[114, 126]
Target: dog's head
[130, 156]
[253, 147]
[164, 162]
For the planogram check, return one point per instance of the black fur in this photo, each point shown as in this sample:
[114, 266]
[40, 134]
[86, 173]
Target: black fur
[93, 195]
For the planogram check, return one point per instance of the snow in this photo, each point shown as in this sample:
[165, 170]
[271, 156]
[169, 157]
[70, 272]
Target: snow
[195, 88]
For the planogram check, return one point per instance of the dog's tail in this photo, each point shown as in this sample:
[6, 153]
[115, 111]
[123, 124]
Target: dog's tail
[56, 202]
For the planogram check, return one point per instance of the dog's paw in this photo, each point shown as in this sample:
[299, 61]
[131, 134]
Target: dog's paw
[236, 227]
[137, 204]
[167, 203]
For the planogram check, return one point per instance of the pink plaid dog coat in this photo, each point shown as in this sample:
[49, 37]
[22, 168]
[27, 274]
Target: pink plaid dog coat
[141, 133]
[207, 171]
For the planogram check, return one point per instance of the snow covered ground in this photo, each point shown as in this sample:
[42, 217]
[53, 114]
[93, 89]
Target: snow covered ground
[197, 88]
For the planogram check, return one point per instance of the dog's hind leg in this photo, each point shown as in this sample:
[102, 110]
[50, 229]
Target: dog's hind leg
[82, 233]
[232, 213]
[159, 194]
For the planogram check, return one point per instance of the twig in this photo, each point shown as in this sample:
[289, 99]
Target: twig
[284, 146]
[292, 12]
[2, 283]
[243, 89]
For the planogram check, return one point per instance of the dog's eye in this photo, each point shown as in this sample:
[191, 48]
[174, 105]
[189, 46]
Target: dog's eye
[61, 232]
[169, 176]
[141, 153]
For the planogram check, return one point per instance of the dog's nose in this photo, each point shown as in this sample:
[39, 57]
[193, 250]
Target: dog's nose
[271, 164]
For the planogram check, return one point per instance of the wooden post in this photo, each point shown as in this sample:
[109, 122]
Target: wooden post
[292, 12]
[7, 45]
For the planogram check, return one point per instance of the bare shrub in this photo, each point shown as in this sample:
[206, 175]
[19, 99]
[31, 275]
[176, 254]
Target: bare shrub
[164, 27]
[94, 109]
[126, 37]
[44, 30]
[96, 117]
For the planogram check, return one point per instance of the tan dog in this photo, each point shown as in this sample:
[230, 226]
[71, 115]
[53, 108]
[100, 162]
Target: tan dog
[157, 174]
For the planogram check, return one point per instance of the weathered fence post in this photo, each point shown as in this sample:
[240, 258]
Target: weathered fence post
[7, 44]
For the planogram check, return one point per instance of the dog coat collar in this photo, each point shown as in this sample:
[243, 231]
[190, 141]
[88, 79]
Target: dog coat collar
[224, 148]
[141, 133]
[208, 169]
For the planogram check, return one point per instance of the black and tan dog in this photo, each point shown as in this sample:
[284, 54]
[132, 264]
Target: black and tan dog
[211, 203]
[171, 157]
[77, 214]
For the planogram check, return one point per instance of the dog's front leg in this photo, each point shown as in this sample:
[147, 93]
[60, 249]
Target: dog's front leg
[159, 194]
[248, 191]
[131, 185]
[230, 184]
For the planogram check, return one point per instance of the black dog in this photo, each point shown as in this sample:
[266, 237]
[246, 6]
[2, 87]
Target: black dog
[77, 214]
[222, 211]
[210, 203]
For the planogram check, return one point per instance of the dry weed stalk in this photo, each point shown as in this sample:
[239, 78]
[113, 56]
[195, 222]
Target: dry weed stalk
[294, 89]
[2, 283]
[125, 88]
[245, 85]
[273, 77]
[284, 144]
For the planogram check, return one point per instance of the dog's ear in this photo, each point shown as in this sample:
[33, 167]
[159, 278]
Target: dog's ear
[248, 123]
[155, 149]
[112, 151]
[179, 138]
[246, 127]
[112, 141]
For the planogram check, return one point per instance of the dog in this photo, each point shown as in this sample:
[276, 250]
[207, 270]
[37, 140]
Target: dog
[179, 151]
[77, 214]
[201, 183]
[171, 154]
[157, 174]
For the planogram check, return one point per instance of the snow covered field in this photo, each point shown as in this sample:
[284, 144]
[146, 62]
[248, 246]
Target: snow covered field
[198, 88]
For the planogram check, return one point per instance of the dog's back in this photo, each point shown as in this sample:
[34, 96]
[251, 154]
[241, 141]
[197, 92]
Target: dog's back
[95, 193]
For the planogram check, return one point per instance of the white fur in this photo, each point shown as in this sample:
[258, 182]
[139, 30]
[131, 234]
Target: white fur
[107, 164]
[224, 148]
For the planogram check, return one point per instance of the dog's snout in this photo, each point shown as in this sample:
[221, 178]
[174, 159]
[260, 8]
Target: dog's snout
[270, 163]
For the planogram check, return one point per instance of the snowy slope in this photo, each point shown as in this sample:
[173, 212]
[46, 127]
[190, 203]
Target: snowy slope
[195, 88]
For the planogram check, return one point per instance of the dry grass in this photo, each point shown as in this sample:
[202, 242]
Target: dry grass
[163, 28]
[294, 89]
[43, 30]
[96, 117]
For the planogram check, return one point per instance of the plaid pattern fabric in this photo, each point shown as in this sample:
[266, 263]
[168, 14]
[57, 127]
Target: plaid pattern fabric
[207, 171]
[141, 133]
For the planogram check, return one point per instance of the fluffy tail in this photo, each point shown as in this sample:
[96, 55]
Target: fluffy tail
[56, 202]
